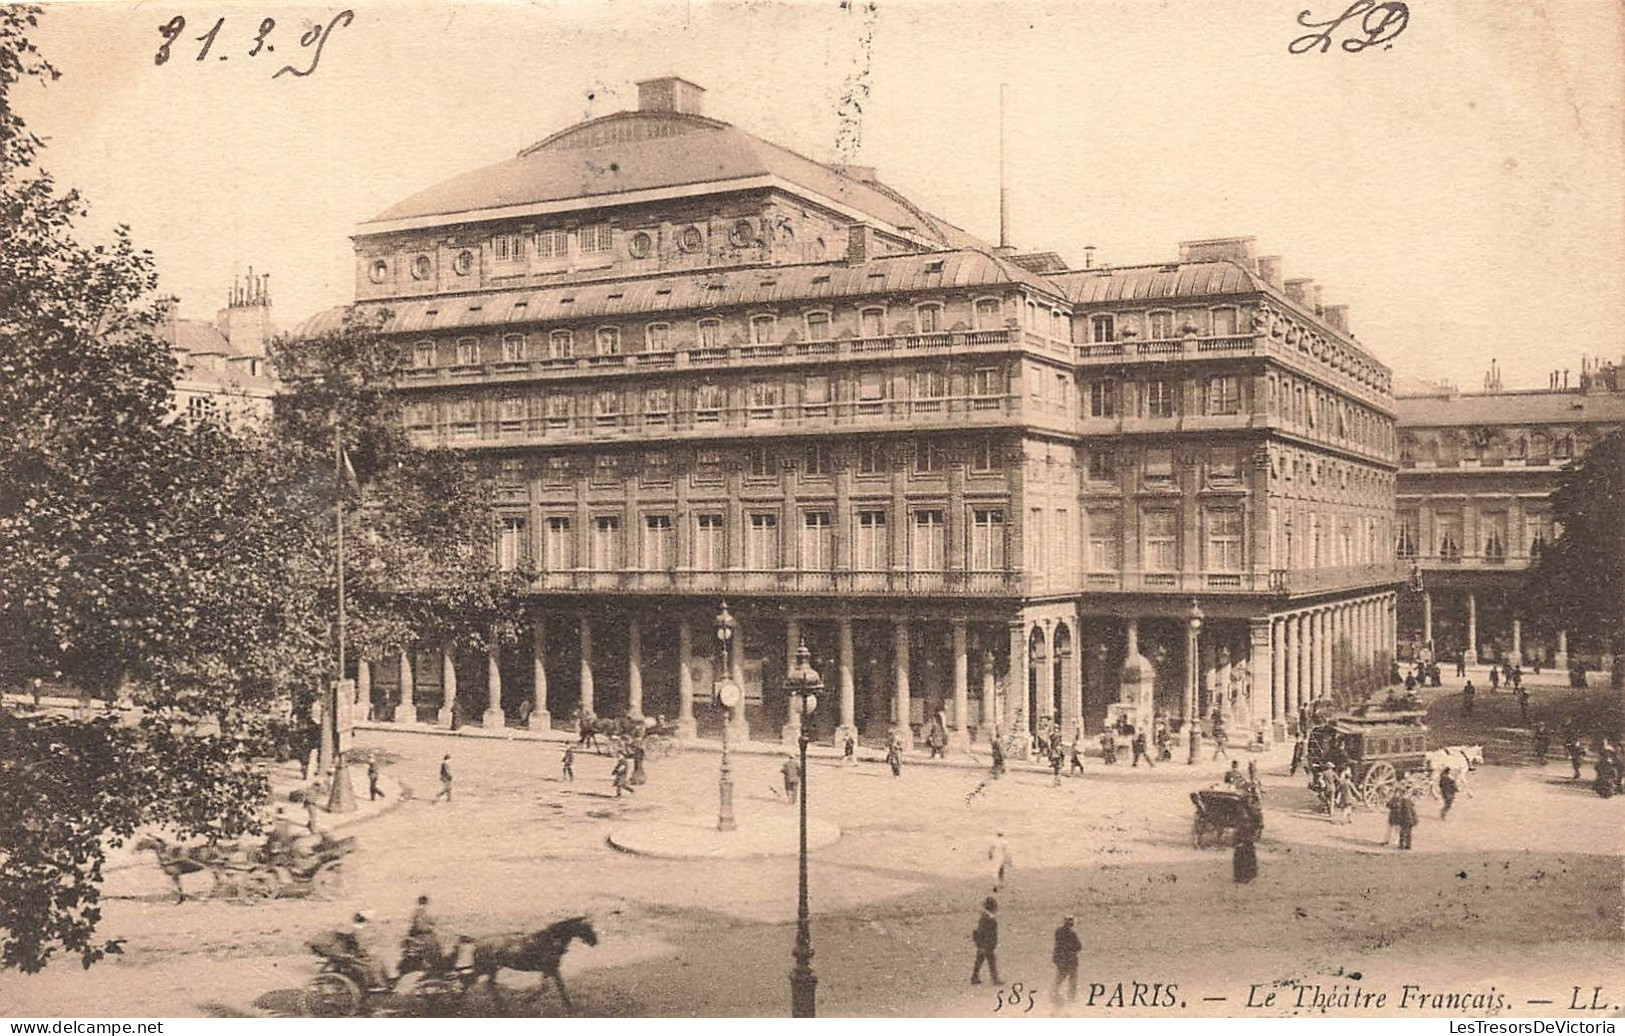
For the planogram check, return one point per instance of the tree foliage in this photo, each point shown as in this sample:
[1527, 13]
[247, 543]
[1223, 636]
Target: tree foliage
[1579, 580]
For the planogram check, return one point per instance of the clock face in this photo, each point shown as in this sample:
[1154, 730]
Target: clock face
[729, 695]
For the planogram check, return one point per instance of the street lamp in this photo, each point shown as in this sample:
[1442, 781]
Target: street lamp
[727, 694]
[803, 684]
[1193, 663]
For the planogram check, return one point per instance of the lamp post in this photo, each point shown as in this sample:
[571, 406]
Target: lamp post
[1194, 680]
[727, 694]
[803, 684]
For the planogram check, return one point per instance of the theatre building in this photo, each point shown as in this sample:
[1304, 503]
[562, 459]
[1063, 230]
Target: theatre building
[977, 484]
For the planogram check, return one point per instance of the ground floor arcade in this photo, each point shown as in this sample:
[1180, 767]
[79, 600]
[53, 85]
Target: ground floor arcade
[1480, 619]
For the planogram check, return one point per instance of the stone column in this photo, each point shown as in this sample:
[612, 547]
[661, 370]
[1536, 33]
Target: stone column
[901, 727]
[1560, 660]
[1071, 687]
[1292, 692]
[448, 686]
[1046, 679]
[634, 668]
[848, 685]
[493, 718]
[407, 710]
[990, 693]
[738, 723]
[959, 732]
[685, 680]
[1261, 668]
[1311, 656]
[1278, 678]
[1014, 723]
[790, 733]
[363, 684]
[1517, 643]
[587, 707]
[1472, 630]
[1221, 683]
[540, 717]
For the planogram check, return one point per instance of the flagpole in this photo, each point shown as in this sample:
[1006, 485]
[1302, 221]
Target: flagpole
[338, 480]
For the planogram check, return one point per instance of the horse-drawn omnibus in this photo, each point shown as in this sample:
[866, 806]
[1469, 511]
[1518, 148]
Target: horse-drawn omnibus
[1380, 747]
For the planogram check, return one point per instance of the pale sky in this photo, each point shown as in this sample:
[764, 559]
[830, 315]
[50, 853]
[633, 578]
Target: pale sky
[1461, 191]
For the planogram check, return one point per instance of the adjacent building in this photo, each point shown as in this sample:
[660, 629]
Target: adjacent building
[224, 371]
[1476, 474]
[978, 484]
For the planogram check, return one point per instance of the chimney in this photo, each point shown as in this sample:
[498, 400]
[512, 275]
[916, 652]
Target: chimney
[1313, 293]
[858, 243]
[1297, 289]
[1236, 249]
[1088, 257]
[1338, 318]
[671, 94]
[1269, 268]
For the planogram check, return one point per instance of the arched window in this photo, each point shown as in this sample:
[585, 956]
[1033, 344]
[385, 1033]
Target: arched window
[657, 338]
[468, 351]
[818, 326]
[872, 322]
[987, 314]
[423, 354]
[710, 334]
[513, 349]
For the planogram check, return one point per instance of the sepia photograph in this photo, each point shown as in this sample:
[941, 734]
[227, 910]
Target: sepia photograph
[765, 509]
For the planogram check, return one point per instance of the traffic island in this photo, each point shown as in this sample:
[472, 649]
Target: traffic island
[697, 837]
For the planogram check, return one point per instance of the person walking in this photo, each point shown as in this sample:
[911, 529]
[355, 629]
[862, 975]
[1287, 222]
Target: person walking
[1461, 664]
[1396, 810]
[1523, 705]
[1065, 958]
[1407, 820]
[1495, 679]
[620, 774]
[1542, 744]
[1003, 860]
[986, 940]
[894, 757]
[1075, 754]
[1244, 860]
[445, 779]
[1165, 750]
[1056, 758]
[1300, 747]
[997, 749]
[1577, 753]
[792, 777]
[1468, 693]
[1221, 738]
[1447, 791]
[1137, 746]
[569, 773]
[372, 777]
[849, 750]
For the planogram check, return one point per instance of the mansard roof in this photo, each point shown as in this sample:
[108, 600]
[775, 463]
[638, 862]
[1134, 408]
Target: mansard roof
[636, 152]
[1156, 281]
[1565, 407]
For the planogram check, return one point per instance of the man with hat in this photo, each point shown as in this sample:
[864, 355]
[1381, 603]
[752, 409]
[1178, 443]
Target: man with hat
[1067, 945]
[986, 939]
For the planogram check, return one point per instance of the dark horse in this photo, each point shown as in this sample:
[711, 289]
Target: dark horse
[620, 726]
[537, 951]
[175, 860]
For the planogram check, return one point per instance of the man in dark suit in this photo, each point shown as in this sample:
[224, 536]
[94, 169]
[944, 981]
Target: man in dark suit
[1065, 957]
[986, 938]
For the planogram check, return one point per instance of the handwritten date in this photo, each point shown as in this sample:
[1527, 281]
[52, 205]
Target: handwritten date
[1378, 23]
[313, 39]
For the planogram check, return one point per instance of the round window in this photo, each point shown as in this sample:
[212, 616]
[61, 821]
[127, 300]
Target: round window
[464, 263]
[691, 240]
[743, 234]
[379, 270]
[421, 267]
[642, 245]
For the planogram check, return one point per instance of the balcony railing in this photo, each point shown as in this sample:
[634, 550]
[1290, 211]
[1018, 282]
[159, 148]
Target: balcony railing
[1169, 348]
[1456, 560]
[795, 581]
[1316, 580]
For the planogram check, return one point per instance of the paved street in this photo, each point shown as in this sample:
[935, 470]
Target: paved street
[1518, 889]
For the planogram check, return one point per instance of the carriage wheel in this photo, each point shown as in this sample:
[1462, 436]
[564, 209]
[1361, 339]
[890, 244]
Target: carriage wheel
[330, 995]
[1379, 785]
[257, 887]
[329, 880]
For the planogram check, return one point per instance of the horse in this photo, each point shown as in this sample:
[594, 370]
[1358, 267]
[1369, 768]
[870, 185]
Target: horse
[1462, 760]
[621, 726]
[175, 861]
[536, 951]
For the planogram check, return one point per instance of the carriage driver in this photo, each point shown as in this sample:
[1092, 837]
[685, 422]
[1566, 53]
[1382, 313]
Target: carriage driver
[420, 950]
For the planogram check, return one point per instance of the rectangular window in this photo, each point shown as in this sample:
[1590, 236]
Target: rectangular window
[930, 318]
[1223, 395]
[871, 549]
[764, 397]
[764, 329]
[553, 243]
[657, 401]
[815, 461]
[657, 542]
[762, 541]
[1224, 465]
[872, 386]
[987, 314]
[984, 457]
[511, 413]
[1224, 541]
[1104, 328]
[513, 349]
[657, 338]
[560, 545]
[1033, 534]
[1160, 531]
[817, 327]
[1162, 325]
[815, 394]
[708, 401]
[761, 462]
[1159, 464]
[928, 459]
[987, 539]
[1447, 536]
[513, 544]
[607, 403]
[710, 334]
[871, 458]
[423, 354]
[609, 341]
[1103, 399]
[1103, 465]
[606, 543]
[817, 554]
[871, 323]
[1103, 540]
[595, 239]
[507, 248]
[1159, 398]
[927, 548]
[1224, 322]
[468, 351]
[930, 384]
[561, 345]
[1492, 533]
[710, 543]
[987, 381]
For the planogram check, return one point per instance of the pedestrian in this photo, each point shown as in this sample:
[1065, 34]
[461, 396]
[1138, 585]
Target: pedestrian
[1165, 750]
[998, 757]
[372, 777]
[1517, 677]
[1577, 753]
[1244, 860]
[937, 741]
[1056, 759]
[445, 779]
[1347, 793]
[1065, 957]
[894, 757]
[311, 820]
[1523, 706]
[1221, 738]
[1076, 758]
[1542, 744]
[1461, 664]
[792, 777]
[986, 940]
[1447, 791]
[1137, 747]
[620, 774]
[1396, 809]
[1495, 679]
[849, 750]
[1232, 776]
[1108, 748]
[569, 773]
[1253, 782]
[1407, 820]
[1003, 861]
[1467, 695]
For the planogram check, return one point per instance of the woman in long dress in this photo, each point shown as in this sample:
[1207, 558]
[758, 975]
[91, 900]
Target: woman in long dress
[1244, 862]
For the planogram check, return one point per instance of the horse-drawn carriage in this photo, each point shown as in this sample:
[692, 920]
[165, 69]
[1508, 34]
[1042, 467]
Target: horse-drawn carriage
[253, 875]
[1219, 810]
[1383, 750]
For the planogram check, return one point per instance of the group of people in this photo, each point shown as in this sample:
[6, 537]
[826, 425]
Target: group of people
[1424, 674]
[421, 951]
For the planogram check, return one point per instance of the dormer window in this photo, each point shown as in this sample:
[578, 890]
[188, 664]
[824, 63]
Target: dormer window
[507, 248]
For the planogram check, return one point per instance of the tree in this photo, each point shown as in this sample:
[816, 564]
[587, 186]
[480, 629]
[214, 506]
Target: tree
[1578, 582]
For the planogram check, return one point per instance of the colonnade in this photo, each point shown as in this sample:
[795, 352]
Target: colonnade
[1339, 650]
[1560, 658]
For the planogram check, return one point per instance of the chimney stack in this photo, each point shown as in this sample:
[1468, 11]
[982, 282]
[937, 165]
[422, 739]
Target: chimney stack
[1088, 257]
[671, 94]
[1338, 318]
[1297, 289]
[858, 243]
[1269, 268]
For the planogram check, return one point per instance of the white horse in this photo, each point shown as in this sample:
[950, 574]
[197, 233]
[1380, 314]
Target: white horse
[1462, 760]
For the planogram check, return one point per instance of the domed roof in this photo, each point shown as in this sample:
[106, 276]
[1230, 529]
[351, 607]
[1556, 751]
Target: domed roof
[637, 151]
